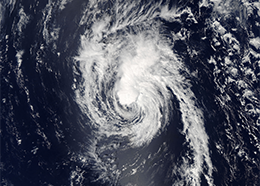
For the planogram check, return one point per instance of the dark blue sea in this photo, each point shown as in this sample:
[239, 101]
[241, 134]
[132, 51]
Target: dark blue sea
[130, 93]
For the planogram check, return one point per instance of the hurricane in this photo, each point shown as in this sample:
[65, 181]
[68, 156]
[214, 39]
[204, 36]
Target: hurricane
[129, 75]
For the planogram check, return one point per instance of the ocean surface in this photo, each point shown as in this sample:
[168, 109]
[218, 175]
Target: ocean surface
[130, 93]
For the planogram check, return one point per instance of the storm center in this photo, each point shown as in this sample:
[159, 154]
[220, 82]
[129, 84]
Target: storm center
[126, 91]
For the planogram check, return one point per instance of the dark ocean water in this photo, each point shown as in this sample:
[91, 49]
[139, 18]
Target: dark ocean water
[126, 93]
